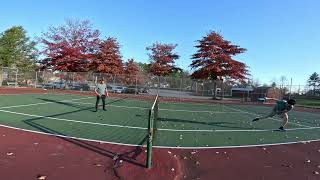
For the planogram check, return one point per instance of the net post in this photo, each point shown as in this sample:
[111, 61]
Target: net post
[150, 137]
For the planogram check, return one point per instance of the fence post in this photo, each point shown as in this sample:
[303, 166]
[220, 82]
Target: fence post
[290, 89]
[36, 81]
[181, 81]
[16, 83]
[1, 76]
[158, 84]
[136, 91]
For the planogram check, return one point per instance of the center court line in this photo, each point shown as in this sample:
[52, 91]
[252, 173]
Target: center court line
[142, 128]
[26, 105]
[255, 114]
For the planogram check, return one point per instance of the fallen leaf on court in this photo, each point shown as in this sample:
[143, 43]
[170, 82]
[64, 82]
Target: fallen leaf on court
[185, 177]
[217, 152]
[98, 165]
[169, 152]
[193, 152]
[172, 169]
[308, 161]
[115, 157]
[316, 172]
[36, 143]
[9, 153]
[41, 177]
[287, 165]
[174, 155]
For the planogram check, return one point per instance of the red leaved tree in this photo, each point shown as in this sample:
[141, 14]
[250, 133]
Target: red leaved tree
[131, 72]
[214, 61]
[70, 47]
[109, 58]
[162, 58]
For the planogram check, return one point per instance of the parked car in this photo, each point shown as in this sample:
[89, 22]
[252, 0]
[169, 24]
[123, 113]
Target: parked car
[59, 85]
[118, 89]
[54, 85]
[135, 90]
[131, 90]
[81, 87]
[48, 86]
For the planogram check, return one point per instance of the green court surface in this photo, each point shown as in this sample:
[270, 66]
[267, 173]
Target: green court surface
[184, 125]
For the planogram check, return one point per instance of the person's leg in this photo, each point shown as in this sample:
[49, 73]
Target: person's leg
[103, 102]
[285, 121]
[97, 102]
[273, 113]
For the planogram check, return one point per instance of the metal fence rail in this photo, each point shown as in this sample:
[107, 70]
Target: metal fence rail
[168, 86]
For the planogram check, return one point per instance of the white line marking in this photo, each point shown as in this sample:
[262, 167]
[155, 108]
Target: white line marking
[160, 129]
[170, 110]
[35, 104]
[127, 107]
[160, 147]
[270, 118]
[70, 120]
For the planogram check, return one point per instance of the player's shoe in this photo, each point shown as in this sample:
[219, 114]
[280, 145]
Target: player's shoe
[282, 128]
[256, 119]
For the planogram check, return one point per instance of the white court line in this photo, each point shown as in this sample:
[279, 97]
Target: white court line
[127, 107]
[213, 112]
[35, 104]
[170, 110]
[255, 114]
[142, 128]
[70, 120]
[162, 147]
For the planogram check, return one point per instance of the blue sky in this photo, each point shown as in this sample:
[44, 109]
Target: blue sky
[281, 36]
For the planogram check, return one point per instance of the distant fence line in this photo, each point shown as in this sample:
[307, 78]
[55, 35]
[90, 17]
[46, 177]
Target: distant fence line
[184, 87]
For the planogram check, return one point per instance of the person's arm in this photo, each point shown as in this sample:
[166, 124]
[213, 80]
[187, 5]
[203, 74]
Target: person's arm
[95, 90]
[107, 93]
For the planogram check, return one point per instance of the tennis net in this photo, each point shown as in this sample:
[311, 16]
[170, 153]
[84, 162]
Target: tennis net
[152, 126]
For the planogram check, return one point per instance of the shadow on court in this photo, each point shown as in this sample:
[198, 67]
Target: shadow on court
[71, 103]
[215, 124]
[118, 158]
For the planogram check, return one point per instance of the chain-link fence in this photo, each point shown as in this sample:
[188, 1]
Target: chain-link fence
[169, 86]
